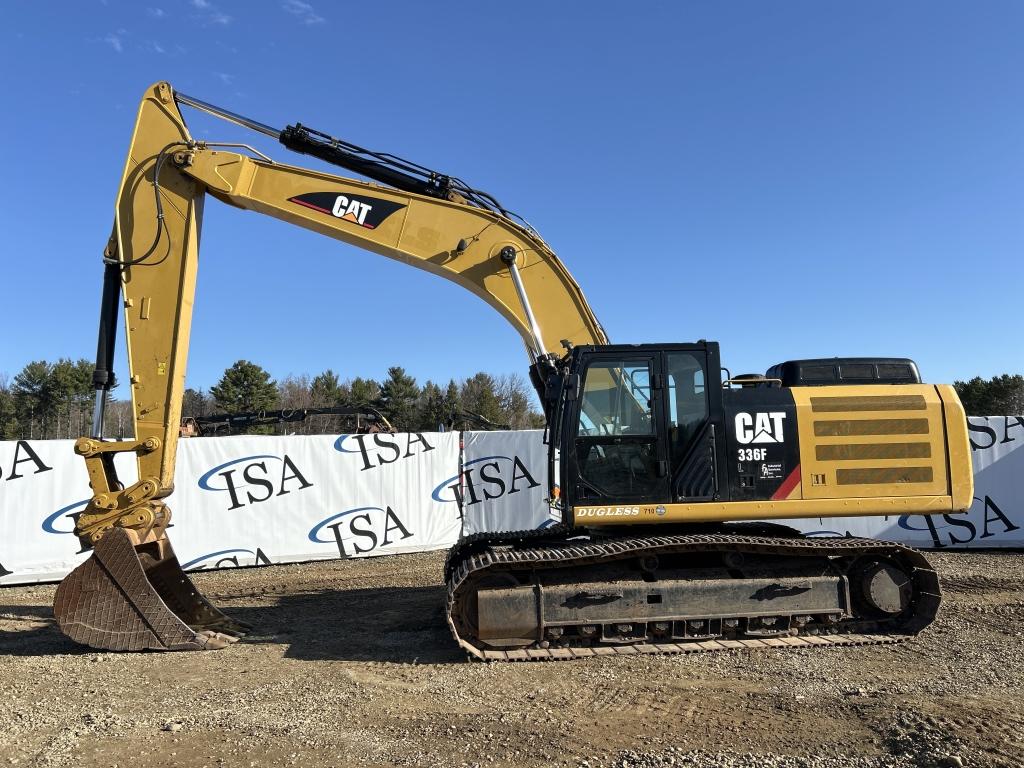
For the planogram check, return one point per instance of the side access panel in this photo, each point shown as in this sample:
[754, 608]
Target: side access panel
[871, 441]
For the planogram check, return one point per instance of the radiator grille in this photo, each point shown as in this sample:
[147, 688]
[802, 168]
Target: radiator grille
[871, 441]
[868, 403]
[858, 451]
[883, 475]
[859, 427]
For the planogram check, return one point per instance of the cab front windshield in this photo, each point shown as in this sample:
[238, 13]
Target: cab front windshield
[616, 400]
[615, 440]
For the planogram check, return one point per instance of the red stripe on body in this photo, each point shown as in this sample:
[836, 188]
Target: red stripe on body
[308, 205]
[787, 485]
[324, 210]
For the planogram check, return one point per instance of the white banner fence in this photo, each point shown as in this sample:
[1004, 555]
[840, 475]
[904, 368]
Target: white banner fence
[259, 500]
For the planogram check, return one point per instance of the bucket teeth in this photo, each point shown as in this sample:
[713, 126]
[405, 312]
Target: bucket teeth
[125, 598]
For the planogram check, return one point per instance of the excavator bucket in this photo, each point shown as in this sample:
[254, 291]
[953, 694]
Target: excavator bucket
[127, 598]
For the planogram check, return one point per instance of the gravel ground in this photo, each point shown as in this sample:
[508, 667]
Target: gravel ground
[352, 664]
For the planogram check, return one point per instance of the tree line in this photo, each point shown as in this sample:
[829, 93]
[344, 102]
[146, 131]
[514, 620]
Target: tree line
[998, 396]
[481, 401]
[49, 400]
[55, 400]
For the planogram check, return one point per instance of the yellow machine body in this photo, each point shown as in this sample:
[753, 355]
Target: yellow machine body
[860, 454]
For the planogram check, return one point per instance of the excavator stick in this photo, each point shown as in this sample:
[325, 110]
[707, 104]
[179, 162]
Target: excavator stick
[132, 594]
[125, 598]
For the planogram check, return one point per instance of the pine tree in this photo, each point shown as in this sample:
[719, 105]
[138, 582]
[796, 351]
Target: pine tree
[71, 382]
[244, 387]
[362, 392]
[480, 398]
[326, 391]
[998, 396]
[397, 400]
[451, 404]
[31, 398]
[430, 408]
[70, 392]
[9, 427]
[53, 399]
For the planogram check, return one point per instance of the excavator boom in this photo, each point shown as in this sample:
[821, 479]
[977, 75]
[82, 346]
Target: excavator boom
[423, 219]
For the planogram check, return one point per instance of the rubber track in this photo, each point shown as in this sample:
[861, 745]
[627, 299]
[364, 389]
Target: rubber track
[476, 554]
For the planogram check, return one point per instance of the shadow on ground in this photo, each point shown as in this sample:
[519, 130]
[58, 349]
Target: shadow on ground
[401, 625]
[39, 637]
[396, 624]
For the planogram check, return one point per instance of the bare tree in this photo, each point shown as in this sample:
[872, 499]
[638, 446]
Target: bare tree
[516, 401]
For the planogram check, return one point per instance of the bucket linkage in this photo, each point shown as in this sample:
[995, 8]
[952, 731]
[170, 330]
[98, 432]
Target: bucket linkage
[132, 594]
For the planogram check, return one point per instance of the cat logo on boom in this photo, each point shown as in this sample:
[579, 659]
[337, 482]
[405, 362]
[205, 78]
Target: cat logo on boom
[353, 210]
[759, 427]
[369, 212]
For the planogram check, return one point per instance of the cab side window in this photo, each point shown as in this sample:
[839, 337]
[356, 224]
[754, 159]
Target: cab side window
[687, 402]
[616, 400]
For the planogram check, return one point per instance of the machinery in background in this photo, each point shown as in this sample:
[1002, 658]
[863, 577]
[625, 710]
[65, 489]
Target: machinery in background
[359, 420]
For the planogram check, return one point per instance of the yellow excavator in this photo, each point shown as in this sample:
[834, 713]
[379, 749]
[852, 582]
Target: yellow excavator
[668, 474]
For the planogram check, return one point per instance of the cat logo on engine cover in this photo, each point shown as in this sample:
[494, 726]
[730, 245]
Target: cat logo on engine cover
[760, 427]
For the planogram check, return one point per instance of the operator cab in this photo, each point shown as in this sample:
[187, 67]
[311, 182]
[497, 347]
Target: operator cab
[637, 423]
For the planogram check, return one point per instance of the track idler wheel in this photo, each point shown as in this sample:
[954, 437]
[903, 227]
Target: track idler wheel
[127, 598]
[886, 588]
[881, 588]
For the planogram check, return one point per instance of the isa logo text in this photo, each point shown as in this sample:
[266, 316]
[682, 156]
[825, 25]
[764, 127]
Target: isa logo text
[254, 479]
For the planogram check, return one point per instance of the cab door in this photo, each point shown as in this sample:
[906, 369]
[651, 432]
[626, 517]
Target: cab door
[692, 408]
[617, 446]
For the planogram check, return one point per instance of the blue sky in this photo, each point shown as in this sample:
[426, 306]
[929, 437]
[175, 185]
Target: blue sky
[792, 179]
